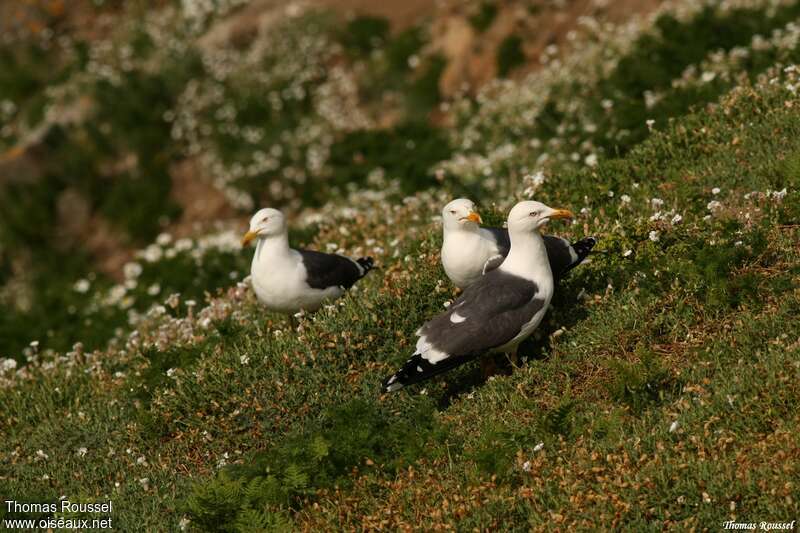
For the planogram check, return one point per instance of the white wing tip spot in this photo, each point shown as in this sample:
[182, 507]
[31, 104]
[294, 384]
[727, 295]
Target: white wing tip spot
[455, 318]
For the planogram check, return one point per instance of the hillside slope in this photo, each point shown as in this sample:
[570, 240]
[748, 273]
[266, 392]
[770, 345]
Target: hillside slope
[661, 393]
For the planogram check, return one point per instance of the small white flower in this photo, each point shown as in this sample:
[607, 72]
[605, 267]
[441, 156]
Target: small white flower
[41, 455]
[715, 191]
[676, 219]
[526, 466]
[154, 289]
[591, 160]
[81, 451]
[82, 286]
[163, 239]
[625, 199]
[656, 202]
[650, 123]
[713, 205]
[538, 447]
[171, 372]
[132, 270]
[183, 524]
[627, 253]
[141, 460]
[244, 359]
[145, 483]
[7, 365]
[708, 76]
[653, 236]
[674, 426]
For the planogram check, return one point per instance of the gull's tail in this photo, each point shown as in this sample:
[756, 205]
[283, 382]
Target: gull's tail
[365, 264]
[419, 369]
[582, 249]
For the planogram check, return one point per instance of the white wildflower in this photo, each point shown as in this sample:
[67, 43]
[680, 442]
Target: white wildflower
[715, 191]
[676, 219]
[674, 426]
[538, 447]
[627, 253]
[653, 236]
[244, 360]
[132, 270]
[81, 451]
[713, 205]
[163, 239]
[82, 286]
[7, 365]
[625, 199]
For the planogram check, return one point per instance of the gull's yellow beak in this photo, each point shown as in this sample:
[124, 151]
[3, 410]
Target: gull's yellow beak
[561, 213]
[475, 217]
[249, 236]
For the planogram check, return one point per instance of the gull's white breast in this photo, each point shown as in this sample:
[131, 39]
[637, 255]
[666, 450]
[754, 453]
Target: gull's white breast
[463, 257]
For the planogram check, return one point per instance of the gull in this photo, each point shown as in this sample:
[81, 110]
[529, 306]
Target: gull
[289, 280]
[468, 250]
[494, 314]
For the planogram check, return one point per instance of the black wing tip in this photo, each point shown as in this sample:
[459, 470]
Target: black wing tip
[584, 246]
[367, 263]
[414, 370]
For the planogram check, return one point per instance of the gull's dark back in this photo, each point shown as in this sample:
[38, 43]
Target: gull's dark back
[333, 270]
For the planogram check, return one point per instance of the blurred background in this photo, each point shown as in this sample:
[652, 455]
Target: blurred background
[137, 137]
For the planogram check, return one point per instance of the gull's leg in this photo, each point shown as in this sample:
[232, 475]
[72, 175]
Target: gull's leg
[292, 322]
[488, 367]
[514, 356]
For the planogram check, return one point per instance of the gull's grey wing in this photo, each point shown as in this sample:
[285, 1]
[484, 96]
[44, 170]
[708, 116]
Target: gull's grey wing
[333, 270]
[489, 314]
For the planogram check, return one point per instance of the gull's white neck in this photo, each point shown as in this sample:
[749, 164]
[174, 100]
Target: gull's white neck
[272, 247]
[528, 257]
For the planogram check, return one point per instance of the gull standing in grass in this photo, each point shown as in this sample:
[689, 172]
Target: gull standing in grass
[289, 280]
[469, 250]
[494, 314]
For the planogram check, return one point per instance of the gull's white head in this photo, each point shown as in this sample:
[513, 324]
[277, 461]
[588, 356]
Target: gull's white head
[460, 213]
[529, 216]
[265, 223]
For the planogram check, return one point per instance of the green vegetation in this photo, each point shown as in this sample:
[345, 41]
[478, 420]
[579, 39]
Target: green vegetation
[483, 17]
[510, 55]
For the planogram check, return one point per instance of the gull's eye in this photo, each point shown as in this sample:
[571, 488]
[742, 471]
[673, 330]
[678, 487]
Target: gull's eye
[452, 211]
[534, 213]
[265, 219]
